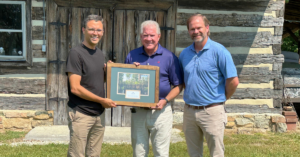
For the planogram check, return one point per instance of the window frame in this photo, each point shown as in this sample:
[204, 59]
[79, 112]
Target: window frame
[26, 58]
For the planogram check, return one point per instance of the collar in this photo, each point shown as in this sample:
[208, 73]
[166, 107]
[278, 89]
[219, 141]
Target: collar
[157, 52]
[88, 47]
[206, 46]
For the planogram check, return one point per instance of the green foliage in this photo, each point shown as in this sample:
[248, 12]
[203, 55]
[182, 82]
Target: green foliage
[289, 44]
[132, 82]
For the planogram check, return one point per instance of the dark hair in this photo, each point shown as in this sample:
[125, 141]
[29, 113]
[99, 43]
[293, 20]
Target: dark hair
[205, 20]
[92, 17]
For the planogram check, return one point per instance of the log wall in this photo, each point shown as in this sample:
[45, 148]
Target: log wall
[24, 87]
[252, 32]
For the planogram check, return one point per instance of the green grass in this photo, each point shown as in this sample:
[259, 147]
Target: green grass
[50, 150]
[263, 145]
[257, 145]
[11, 136]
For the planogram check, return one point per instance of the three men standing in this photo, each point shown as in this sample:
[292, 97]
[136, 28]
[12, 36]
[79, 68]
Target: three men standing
[156, 122]
[86, 72]
[210, 79]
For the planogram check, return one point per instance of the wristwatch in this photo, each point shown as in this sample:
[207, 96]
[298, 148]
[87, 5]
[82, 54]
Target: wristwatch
[166, 100]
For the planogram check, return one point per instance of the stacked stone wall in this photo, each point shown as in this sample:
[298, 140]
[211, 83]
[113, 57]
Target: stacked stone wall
[24, 120]
[244, 123]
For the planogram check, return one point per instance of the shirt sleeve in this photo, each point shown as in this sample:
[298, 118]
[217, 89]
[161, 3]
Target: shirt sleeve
[226, 64]
[74, 63]
[127, 60]
[181, 66]
[175, 72]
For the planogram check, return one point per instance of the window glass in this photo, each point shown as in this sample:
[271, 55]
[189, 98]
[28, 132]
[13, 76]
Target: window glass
[10, 16]
[11, 43]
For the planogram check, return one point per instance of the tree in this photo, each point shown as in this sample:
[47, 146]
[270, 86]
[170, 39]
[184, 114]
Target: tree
[121, 83]
[289, 44]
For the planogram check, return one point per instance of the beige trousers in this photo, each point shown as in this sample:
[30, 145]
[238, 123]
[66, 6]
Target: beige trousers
[207, 122]
[156, 124]
[86, 134]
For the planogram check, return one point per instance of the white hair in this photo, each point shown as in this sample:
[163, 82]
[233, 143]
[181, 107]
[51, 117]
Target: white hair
[150, 23]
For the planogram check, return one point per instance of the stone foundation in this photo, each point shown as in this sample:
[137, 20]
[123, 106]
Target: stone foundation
[244, 123]
[24, 120]
[238, 123]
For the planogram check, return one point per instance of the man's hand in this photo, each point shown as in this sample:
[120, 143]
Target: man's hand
[136, 63]
[161, 104]
[108, 103]
[109, 61]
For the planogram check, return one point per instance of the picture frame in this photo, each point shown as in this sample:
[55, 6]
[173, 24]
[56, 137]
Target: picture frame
[131, 85]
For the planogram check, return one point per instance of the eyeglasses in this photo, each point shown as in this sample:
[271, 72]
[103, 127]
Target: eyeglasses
[93, 30]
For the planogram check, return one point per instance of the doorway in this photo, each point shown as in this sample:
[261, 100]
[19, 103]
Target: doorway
[121, 35]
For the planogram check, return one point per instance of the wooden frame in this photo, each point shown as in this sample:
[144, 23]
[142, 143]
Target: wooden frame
[131, 66]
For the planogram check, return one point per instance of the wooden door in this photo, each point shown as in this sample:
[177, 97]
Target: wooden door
[64, 32]
[127, 37]
[64, 23]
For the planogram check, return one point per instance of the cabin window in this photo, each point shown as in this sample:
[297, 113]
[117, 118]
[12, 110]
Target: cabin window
[12, 31]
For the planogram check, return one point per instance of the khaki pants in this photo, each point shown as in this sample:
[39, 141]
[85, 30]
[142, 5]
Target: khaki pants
[156, 124]
[86, 134]
[207, 122]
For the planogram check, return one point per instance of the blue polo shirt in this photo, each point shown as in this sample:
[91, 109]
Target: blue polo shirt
[168, 63]
[205, 73]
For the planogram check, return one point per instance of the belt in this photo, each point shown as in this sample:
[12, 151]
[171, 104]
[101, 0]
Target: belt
[202, 107]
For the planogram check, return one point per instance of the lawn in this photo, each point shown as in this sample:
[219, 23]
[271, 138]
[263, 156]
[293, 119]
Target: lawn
[11, 136]
[257, 145]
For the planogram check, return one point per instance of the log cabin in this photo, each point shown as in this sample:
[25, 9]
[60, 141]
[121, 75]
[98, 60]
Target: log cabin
[37, 35]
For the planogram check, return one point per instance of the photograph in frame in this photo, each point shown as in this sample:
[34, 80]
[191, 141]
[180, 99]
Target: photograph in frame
[133, 81]
[132, 85]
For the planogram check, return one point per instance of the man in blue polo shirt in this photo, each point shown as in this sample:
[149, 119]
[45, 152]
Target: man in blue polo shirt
[210, 79]
[156, 122]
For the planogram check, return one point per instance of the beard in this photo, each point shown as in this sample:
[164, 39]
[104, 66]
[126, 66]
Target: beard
[199, 40]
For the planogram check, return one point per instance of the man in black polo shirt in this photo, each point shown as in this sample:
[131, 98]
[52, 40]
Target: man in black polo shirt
[86, 71]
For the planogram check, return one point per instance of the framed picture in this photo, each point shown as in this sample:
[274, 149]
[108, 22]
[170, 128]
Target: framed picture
[132, 85]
